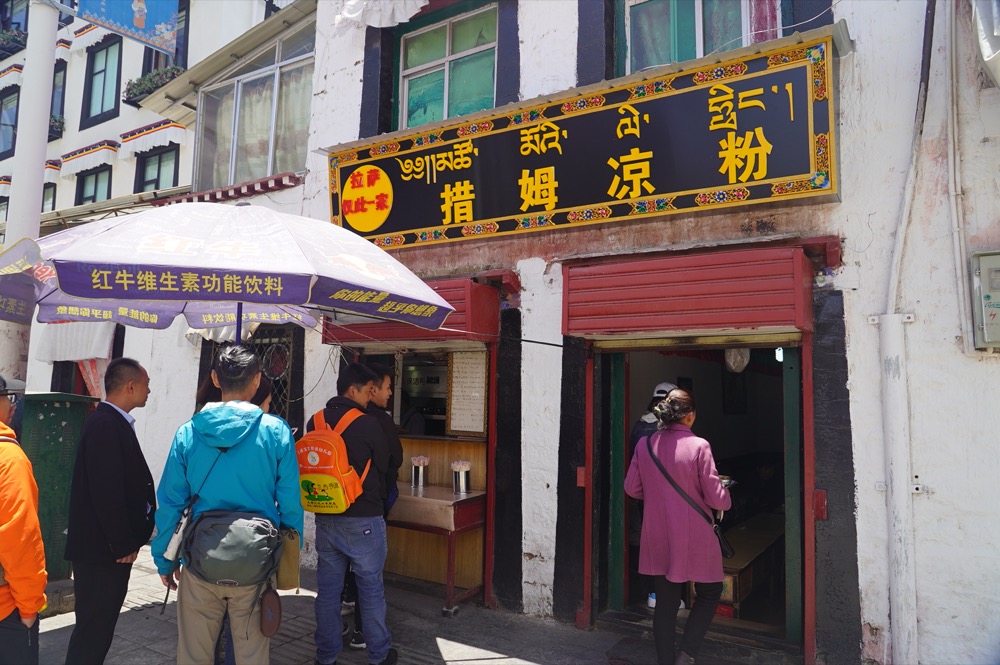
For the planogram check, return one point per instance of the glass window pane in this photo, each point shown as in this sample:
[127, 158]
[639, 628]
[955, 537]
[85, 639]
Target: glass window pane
[89, 183]
[470, 84]
[723, 21]
[3, 209]
[110, 79]
[476, 30]
[103, 180]
[49, 197]
[167, 161]
[8, 122]
[291, 126]
[265, 59]
[58, 89]
[151, 170]
[658, 36]
[426, 47]
[300, 43]
[425, 99]
[215, 140]
[253, 129]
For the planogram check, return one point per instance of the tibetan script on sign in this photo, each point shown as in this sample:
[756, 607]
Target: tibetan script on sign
[754, 130]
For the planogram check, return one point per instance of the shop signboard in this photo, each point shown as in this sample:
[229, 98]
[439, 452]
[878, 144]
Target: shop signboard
[755, 130]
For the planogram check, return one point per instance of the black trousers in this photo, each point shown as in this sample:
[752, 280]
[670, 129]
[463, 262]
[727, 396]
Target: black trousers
[18, 644]
[99, 590]
[668, 600]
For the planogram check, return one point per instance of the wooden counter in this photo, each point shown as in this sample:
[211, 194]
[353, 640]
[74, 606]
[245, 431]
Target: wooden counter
[759, 560]
[418, 517]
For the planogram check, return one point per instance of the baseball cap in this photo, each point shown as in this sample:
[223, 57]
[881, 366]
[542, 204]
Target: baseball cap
[8, 386]
[663, 389]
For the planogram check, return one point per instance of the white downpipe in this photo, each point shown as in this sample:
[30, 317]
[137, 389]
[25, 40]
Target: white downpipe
[955, 192]
[896, 435]
[896, 406]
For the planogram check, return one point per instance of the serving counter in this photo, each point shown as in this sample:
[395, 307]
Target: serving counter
[418, 519]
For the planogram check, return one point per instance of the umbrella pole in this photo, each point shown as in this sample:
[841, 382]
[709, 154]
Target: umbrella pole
[239, 323]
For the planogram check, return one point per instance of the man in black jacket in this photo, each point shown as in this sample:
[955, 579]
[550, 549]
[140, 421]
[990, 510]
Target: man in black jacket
[111, 511]
[356, 537]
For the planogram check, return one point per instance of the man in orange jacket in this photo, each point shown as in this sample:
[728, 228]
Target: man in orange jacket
[22, 556]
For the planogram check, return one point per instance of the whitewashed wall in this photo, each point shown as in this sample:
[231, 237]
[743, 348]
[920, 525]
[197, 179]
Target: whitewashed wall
[952, 448]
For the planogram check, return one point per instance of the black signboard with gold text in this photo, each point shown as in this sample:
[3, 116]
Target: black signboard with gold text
[743, 132]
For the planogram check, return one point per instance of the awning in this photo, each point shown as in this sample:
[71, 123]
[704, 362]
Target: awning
[376, 13]
[87, 36]
[11, 76]
[52, 169]
[476, 318]
[5, 185]
[151, 136]
[88, 157]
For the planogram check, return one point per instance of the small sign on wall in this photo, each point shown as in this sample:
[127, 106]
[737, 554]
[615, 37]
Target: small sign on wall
[467, 392]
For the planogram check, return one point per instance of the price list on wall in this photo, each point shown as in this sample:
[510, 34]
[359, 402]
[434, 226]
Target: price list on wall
[467, 393]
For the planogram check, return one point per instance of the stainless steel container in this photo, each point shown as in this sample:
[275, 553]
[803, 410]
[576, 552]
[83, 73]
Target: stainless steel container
[460, 481]
[417, 476]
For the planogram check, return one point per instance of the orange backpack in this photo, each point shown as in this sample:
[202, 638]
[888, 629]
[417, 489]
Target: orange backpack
[328, 481]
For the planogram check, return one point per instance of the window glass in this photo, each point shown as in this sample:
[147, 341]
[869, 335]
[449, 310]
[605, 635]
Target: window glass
[104, 79]
[94, 186]
[470, 83]
[14, 14]
[291, 131]
[475, 31]
[425, 99]
[465, 84]
[58, 89]
[4, 202]
[660, 32]
[8, 121]
[253, 129]
[425, 47]
[215, 142]
[301, 43]
[48, 197]
[262, 61]
[723, 25]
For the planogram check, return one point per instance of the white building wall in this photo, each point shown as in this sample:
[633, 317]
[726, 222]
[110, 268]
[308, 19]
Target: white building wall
[951, 446]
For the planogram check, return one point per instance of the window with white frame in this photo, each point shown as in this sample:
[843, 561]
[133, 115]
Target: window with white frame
[93, 185]
[659, 32]
[254, 120]
[449, 69]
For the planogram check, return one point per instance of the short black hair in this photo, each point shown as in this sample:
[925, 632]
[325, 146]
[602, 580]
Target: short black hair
[235, 367]
[356, 375]
[120, 371]
[381, 371]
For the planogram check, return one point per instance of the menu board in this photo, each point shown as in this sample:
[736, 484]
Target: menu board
[467, 392]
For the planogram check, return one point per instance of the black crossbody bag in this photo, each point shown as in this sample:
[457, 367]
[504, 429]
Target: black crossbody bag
[727, 549]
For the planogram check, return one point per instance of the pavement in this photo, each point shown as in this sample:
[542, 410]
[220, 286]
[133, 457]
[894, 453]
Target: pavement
[475, 636]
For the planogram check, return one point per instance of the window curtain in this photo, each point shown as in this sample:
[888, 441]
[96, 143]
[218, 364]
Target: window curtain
[216, 143]
[292, 123]
[662, 31]
[723, 21]
[253, 130]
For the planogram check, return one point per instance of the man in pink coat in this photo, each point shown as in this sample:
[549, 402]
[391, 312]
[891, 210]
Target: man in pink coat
[677, 544]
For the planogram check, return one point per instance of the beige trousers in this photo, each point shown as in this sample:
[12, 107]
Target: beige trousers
[200, 608]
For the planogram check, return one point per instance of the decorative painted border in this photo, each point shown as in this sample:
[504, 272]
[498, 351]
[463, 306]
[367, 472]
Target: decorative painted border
[426, 139]
[582, 104]
[386, 242]
[816, 54]
[527, 115]
[149, 129]
[722, 196]
[533, 222]
[480, 229]
[475, 129]
[720, 73]
[383, 149]
[657, 204]
[588, 214]
[94, 147]
[429, 235]
[820, 178]
[652, 89]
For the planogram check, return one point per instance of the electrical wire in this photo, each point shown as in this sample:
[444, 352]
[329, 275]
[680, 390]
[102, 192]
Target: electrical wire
[782, 28]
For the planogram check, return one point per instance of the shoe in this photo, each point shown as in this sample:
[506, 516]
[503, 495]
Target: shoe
[392, 658]
[684, 659]
[346, 608]
[651, 600]
[358, 641]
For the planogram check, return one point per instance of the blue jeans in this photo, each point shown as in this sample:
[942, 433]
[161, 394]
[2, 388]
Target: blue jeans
[358, 542]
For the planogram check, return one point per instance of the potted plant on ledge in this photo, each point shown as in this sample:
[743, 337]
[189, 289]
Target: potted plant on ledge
[138, 89]
[56, 126]
[12, 41]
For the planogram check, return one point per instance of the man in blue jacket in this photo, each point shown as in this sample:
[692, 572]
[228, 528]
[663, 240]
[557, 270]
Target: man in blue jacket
[235, 458]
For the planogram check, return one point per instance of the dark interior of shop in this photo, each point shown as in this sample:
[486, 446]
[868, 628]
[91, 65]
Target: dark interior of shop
[741, 414]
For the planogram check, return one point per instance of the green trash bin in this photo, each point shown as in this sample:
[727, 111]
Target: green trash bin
[50, 431]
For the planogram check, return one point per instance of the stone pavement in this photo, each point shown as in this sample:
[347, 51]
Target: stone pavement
[475, 636]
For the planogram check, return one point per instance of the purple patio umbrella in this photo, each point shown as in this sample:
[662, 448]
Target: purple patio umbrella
[209, 261]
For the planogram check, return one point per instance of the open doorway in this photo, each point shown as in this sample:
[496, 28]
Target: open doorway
[749, 410]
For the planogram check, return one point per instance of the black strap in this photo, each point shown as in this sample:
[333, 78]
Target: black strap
[649, 445]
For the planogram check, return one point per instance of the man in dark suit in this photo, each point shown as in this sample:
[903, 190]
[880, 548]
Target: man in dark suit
[112, 502]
